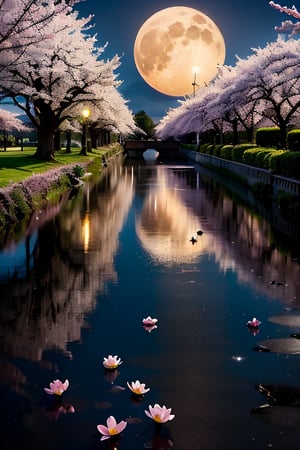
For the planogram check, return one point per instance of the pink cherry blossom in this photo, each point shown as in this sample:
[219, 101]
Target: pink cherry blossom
[57, 387]
[112, 362]
[138, 388]
[112, 429]
[159, 414]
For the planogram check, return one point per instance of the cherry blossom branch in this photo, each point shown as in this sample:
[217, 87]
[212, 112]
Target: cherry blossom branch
[287, 26]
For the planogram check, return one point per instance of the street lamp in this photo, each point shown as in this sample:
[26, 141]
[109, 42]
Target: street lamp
[85, 118]
[195, 70]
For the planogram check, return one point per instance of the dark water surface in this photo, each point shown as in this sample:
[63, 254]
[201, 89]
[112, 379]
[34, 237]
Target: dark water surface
[76, 286]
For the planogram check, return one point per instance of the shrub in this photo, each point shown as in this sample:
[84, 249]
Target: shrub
[268, 137]
[210, 149]
[20, 205]
[238, 151]
[7, 204]
[275, 161]
[263, 157]
[290, 164]
[203, 148]
[258, 157]
[78, 170]
[216, 149]
[293, 140]
[249, 156]
[226, 151]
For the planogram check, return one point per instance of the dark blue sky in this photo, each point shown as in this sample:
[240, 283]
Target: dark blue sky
[244, 25]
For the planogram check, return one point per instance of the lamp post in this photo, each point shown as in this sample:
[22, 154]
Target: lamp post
[85, 118]
[195, 70]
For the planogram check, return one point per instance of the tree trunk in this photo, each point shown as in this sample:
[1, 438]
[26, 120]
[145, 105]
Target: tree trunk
[282, 127]
[68, 141]
[4, 141]
[235, 131]
[57, 143]
[46, 131]
[84, 140]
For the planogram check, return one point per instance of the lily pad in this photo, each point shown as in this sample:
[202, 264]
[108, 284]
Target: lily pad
[288, 320]
[280, 394]
[286, 417]
[289, 346]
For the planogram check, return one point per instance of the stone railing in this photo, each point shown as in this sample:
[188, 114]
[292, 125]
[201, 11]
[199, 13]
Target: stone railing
[248, 173]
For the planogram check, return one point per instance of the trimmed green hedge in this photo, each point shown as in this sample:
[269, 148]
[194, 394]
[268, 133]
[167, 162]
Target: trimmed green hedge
[226, 151]
[216, 149]
[290, 164]
[275, 161]
[280, 162]
[238, 151]
[267, 137]
[293, 140]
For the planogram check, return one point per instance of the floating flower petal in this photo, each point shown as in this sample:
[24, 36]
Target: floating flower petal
[57, 387]
[253, 323]
[112, 429]
[149, 321]
[138, 388]
[150, 328]
[159, 414]
[112, 362]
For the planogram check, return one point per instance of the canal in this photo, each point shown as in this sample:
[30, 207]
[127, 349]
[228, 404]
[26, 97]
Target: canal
[171, 242]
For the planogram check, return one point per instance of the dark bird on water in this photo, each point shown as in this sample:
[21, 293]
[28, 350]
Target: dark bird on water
[199, 232]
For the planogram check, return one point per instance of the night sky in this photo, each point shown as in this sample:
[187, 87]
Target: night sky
[244, 25]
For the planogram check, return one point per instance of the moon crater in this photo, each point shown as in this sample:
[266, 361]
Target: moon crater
[171, 43]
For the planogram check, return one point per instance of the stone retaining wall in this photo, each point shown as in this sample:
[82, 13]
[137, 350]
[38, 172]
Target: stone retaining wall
[250, 174]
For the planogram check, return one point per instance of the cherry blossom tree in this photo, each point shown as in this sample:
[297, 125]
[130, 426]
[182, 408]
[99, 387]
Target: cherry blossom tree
[262, 89]
[10, 122]
[60, 76]
[292, 28]
[270, 78]
[22, 21]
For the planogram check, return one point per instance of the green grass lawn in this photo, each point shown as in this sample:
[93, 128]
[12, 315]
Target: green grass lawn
[17, 165]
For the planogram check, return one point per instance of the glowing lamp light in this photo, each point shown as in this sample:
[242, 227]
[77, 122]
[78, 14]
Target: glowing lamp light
[86, 113]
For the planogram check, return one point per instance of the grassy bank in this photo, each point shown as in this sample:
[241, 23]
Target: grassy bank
[28, 184]
[17, 165]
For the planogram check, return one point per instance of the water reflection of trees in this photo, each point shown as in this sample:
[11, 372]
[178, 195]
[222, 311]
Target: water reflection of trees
[47, 309]
[239, 239]
[245, 242]
[73, 255]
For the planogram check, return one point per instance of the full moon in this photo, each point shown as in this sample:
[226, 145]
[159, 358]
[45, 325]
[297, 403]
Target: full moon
[178, 50]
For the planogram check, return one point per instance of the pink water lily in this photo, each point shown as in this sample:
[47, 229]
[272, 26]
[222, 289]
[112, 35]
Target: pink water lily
[138, 388]
[253, 323]
[149, 321]
[112, 429]
[112, 362]
[159, 414]
[57, 387]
